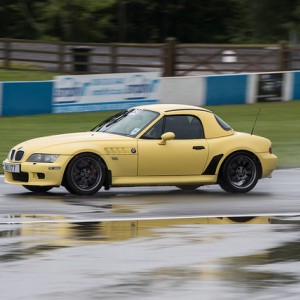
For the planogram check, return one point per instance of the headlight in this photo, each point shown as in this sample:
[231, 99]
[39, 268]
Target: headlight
[43, 158]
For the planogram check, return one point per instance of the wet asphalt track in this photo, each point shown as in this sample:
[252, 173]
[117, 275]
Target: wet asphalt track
[278, 195]
[152, 243]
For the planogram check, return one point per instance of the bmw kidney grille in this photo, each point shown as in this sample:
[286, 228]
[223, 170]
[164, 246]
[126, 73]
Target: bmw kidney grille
[16, 155]
[12, 154]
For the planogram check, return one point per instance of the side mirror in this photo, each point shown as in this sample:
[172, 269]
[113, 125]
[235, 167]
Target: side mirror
[167, 136]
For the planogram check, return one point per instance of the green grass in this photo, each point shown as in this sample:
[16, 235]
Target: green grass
[278, 121]
[19, 75]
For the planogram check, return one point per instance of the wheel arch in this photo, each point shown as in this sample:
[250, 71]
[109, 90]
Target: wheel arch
[107, 178]
[249, 153]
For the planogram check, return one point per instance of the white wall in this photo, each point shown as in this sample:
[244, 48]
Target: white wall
[183, 90]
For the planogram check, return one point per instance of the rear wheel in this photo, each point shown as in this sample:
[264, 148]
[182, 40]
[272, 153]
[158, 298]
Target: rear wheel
[38, 189]
[85, 174]
[239, 173]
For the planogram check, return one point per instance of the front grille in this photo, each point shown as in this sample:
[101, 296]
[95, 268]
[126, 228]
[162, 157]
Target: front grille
[16, 155]
[12, 154]
[23, 177]
[19, 155]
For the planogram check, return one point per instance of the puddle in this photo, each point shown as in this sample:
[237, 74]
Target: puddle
[53, 231]
[39, 233]
[51, 257]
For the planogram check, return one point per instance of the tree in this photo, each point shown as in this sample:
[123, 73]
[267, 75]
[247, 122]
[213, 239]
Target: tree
[12, 20]
[270, 20]
[197, 21]
[76, 20]
[70, 20]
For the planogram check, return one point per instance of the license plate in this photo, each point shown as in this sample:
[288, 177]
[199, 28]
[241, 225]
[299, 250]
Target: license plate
[12, 168]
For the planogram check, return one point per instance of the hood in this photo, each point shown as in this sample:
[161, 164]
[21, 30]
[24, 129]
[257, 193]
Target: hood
[47, 142]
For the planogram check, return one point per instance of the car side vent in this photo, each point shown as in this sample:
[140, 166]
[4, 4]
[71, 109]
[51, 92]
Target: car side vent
[12, 153]
[19, 155]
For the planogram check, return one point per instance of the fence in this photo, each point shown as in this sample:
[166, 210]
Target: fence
[170, 58]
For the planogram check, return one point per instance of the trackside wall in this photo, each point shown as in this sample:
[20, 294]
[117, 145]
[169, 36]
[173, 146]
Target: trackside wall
[28, 98]
[296, 85]
[226, 89]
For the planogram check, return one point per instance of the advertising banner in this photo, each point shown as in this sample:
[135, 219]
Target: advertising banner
[100, 92]
[270, 87]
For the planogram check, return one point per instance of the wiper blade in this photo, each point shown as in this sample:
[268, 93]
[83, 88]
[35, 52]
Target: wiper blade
[115, 120]
[111, 120]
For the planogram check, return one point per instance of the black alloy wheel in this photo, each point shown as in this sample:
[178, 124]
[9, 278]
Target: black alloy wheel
[240, 173]
[85, 174]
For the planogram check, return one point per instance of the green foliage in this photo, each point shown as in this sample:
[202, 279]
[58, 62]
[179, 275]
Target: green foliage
[69, 20]
[76, 20]
[201, 21]
[267, 20]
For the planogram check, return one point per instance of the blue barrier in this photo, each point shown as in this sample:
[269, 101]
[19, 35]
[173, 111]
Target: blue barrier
[0, 99]
[26, 98]
[296, 86]
[226, 89]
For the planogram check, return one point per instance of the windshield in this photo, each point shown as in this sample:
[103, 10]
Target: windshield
[129, 122]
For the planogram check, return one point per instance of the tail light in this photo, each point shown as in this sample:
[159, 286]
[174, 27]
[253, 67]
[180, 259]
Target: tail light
[270, 150]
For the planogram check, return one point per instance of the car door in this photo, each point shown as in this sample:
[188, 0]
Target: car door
[186, 154]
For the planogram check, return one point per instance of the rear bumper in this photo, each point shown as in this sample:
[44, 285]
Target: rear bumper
[268, 163]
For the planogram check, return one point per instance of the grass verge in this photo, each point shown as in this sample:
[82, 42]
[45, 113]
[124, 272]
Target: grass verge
[20, 75]
[278, 121]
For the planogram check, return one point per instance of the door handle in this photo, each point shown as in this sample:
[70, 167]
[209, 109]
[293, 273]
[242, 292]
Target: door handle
[198, 147]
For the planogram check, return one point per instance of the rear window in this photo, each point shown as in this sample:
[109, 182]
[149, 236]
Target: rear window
[222, 123]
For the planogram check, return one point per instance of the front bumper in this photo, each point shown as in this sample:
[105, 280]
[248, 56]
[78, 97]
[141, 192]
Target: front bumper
[41, 174]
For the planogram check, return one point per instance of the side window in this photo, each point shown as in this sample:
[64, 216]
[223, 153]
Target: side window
[155, 131]
[222, 123]
[184, 126]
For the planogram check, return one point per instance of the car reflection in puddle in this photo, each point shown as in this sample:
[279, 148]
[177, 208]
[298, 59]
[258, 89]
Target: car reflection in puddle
[173, 258]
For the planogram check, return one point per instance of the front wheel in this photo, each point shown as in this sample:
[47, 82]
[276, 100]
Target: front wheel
[85, 174]
[37, 188]
[239, 173]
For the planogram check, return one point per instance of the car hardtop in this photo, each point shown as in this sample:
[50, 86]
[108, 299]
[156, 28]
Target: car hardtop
[164, 108]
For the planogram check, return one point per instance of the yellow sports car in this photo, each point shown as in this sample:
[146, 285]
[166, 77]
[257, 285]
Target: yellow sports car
[151, 145]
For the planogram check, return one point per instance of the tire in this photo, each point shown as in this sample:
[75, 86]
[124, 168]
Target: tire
[239, 173]
[188, 187]
[69, 189]
[85, 174]
[37, 188]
